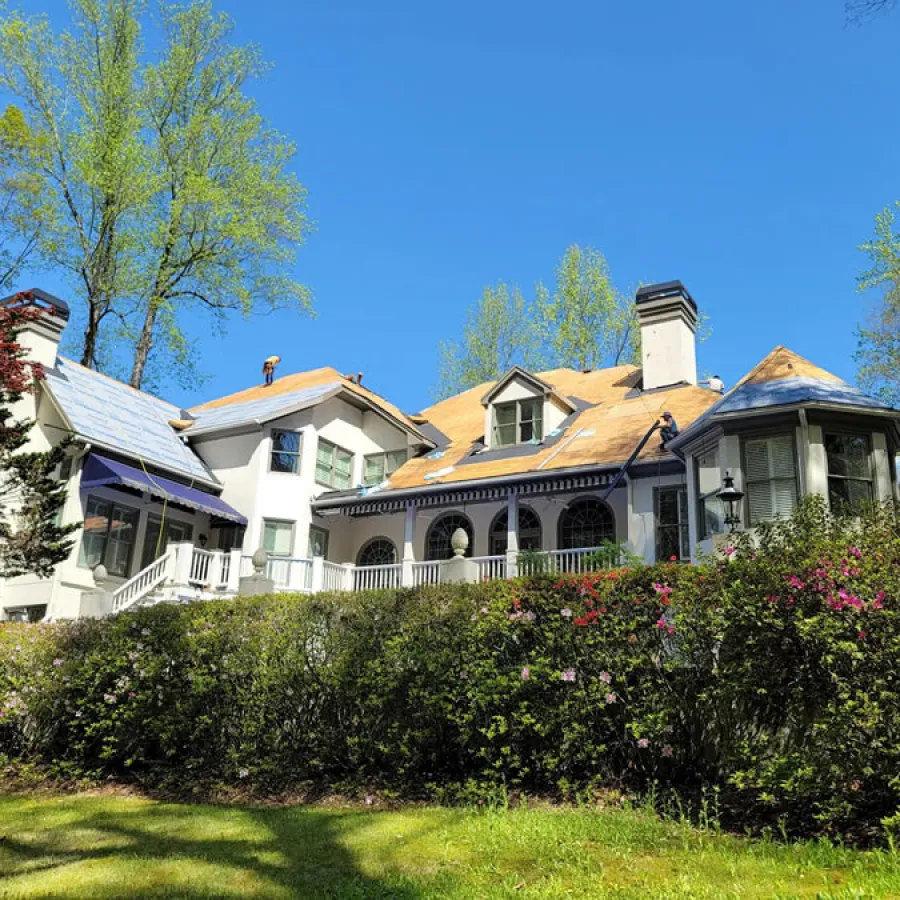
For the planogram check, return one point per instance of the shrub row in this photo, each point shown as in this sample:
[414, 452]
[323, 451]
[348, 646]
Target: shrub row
[772, 675]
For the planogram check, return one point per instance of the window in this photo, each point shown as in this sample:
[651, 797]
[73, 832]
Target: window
[708, 476]
[174, 533]
[672, 524]
[26, 613]
[378, 552]
[849, 470]
[437, 541]
[586, 523]
[378, 466]
[228, 537]
[318, 541]
[529, 531]
[108, 537]
[334, 466]
[771, 477]
[518, 422]
[285, 456]
[278, 537]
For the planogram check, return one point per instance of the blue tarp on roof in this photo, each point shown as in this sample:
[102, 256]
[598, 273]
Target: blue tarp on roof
[98, 470]
[128, 421]
[263, 409]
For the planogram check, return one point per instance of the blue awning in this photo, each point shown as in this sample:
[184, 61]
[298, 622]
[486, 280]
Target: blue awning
[98, 470]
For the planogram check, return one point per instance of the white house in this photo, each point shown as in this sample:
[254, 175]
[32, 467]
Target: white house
[343, 490]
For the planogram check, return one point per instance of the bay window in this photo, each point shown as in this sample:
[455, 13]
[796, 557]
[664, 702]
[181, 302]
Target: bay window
[849, 471]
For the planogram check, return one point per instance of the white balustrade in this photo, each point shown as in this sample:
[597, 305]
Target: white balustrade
[332, 576]
[200, 564]
[426, 573]
[224, 571]
[369, 578]
[490, 568]
[144, 583]
[580, 561]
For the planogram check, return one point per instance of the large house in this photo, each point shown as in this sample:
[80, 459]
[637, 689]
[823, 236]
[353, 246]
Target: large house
[343, 490]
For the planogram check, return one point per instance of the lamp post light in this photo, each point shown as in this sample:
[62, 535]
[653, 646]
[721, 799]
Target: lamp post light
[731, 498]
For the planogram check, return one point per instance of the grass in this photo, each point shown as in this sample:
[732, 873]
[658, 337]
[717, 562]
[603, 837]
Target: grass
[101, 846]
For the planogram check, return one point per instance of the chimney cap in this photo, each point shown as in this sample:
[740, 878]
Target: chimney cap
[663, 290]
[40, 299]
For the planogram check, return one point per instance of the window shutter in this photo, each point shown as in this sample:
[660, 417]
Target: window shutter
[324, 454]
[343, 463]
[771, 477]
[759, 495]
[374, 473]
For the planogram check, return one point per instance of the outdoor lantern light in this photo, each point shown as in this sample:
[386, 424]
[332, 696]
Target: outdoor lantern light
[731, 501]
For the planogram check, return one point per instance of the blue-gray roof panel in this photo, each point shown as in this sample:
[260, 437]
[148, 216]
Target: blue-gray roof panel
[262, 410]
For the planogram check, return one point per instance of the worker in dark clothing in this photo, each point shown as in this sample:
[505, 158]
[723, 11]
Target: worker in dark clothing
[668, 429]
[269, 368]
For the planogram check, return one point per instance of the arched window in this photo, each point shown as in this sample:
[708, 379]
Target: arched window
[529, 531]
[437, 541]
[587, 522]
[378, 551]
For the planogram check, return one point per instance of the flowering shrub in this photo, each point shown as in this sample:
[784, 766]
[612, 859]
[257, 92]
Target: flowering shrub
[771, 674]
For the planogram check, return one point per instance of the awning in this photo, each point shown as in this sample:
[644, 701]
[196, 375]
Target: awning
[98, 470]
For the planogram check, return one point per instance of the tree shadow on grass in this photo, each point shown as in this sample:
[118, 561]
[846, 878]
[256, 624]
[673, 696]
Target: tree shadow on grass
[189, 852]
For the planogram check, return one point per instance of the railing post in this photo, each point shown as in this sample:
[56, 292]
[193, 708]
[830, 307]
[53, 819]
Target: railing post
[317, 574]
[407, 577]
[296, 575]
[234, 571]
[184, 553]
[214, 570]
[347, 577]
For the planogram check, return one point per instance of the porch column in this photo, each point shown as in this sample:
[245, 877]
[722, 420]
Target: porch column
[409, 532]
[234, 571]
[184, 554]
[692, 507]
[214, 572]
[512, 535]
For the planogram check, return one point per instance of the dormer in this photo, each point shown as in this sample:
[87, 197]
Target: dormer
[521, 409]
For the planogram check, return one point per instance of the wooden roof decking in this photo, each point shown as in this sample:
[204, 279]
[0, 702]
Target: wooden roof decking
[604, 434]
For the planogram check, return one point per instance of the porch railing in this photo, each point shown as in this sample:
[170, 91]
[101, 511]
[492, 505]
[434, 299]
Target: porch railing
[367, 578]
[332, 576]
[200, 560]
[426, 573]
[490, 568]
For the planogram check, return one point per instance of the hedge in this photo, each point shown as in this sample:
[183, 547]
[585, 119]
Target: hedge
[771, 675]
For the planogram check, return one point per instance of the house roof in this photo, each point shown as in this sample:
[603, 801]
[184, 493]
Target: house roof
[113, 415]
[286, 394]
[783, 378]
[610, 419]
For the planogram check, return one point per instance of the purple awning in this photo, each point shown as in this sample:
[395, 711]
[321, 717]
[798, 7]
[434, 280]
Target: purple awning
[98, 470]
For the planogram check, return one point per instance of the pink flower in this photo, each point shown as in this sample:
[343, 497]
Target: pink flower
[661, 622]
[568, 675]
[566, 612]
[854, 551]
[610, 698]
[728, 551]
[667, 751]
[605, 677]
[772, 598]
[670, 630]
[529, 616]
[643, 743]
[526, 673]
[57, 662]
[796, 582]
[862, 635]
[663, 589]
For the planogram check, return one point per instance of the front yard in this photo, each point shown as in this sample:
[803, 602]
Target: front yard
[103, 846]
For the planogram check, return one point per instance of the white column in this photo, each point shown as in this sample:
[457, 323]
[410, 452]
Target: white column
[512, 535]
[184, 553]
[882, 467]
[214, 572]
[692, 506]
[347, 576]
[816, 462]
[409, 533]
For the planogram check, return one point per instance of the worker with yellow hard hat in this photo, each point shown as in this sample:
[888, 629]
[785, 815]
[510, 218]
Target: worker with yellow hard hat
[269, 367]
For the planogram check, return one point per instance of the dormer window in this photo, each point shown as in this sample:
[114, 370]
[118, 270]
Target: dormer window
[518, 422]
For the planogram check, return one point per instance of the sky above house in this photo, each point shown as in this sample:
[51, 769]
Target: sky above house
[742, 148]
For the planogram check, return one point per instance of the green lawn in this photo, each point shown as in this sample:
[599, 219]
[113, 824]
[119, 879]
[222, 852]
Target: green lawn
[111, 846]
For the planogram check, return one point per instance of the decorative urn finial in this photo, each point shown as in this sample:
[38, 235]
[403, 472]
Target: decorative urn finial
[459, 541]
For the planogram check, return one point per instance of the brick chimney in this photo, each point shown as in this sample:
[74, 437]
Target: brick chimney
[668, 318]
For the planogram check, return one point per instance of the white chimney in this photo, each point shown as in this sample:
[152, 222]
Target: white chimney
[668, 319]
[41, 337]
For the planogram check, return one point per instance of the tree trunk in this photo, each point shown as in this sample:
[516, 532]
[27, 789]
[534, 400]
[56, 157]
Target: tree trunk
[89, 351]
[142, 349]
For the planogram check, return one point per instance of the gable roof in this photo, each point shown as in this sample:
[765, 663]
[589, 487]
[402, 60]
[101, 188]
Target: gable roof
[528, 377]
[289, 393]
[120, 418]
[610, 418]
[784, 378]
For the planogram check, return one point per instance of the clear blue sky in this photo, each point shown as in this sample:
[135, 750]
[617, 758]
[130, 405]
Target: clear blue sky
[740, 147]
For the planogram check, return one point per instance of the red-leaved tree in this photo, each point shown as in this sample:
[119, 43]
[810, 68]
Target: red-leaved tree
[31, 494]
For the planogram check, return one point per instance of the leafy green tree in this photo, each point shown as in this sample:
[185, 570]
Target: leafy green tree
[31, 497]
[161, 185]
[18, 198]
[587, 322]
[499, 333]
[879, 336]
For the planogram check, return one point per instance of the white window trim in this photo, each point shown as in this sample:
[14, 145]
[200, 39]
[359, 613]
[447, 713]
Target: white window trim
[334, 448]
[517, 404]
[293, 526]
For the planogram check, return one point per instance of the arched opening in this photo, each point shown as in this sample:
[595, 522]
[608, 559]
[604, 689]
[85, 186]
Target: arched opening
[379, 551]
[586, 522]
[437, 540]
[529, 531]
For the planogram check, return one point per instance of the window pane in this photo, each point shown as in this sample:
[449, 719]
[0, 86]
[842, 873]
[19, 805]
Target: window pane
[771, 477]
[505, 414]
[668, 507]
[285, 451]
[395, 459]
[374, 469]
[343, 465]
[278, 537]
[324, 456]
[506, 435]
[848, 455]
[96, 525]
[318, 541]
[120, 542]
[709, 477]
